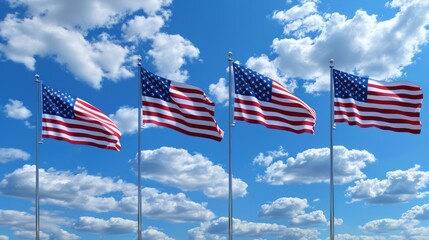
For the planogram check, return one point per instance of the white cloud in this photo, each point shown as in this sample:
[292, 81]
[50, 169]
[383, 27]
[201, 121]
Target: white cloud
[126, 118]
[220, 91]
[152, 233]
[400, 186]
[292, 210]
[360, 237]
[11, 154]
[101, 194]
[113, 225]
[380, 49]
[87, 14]
[15, 109]
[144, 28]
[387, 225]
[4, 237]
[266, 160]
[417, 212]
[88, 61]
[170, 53]
[312, 166]
[217, 228]
[22, 223]
[178, 168]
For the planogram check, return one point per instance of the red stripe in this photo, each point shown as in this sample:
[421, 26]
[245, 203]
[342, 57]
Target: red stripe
[178, 111]
[79, 134]
[195, 134]
[77, 126]
[377, 110]
[413, 131]
[272, 109]
[117, 147]
[395, 87]
[400, 95]
[273, 126]
[274, 118]
[394, 103]
[375, 118]
[181, 121]
[191, 99]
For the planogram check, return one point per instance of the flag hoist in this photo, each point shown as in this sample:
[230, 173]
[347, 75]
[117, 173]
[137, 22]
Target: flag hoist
[71, 119]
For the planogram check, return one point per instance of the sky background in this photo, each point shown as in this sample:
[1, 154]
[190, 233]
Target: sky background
[89, 49]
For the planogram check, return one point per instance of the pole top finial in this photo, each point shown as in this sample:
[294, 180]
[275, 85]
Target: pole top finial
[331, 62]
[37, 77]
[139, 61]
[229, 54]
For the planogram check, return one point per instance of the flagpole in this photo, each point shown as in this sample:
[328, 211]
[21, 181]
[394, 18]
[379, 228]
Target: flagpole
[231, 124]
[139, 201]
[332, 222]
[37, 156]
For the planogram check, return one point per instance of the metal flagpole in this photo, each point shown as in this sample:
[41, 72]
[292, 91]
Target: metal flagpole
[139, 150]
[230, 225]
[37, 157]
[332, 222]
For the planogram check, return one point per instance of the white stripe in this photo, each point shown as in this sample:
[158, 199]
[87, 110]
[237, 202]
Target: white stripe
[174, 106]
[378, 106]
[379, 123]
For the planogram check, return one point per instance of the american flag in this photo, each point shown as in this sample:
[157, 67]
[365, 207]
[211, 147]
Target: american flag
[364, 102]
[73, 120]
[182, 107]
[259, 99]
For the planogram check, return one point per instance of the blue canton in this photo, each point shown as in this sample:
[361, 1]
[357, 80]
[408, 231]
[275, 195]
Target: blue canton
[58, 103]
[155, 86]
[350, 86]
[251, 83]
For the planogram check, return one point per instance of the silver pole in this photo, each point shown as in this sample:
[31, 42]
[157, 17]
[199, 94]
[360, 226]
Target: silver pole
[37, 157]
[231, 103]
[139, 150]
[332, 222]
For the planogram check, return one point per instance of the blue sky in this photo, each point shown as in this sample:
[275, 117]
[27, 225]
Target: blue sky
[281, 180]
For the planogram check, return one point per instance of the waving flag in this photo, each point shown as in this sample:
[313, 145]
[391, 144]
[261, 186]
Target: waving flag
[364, 102]
[259, 99]
[182, 107]
[73, 120]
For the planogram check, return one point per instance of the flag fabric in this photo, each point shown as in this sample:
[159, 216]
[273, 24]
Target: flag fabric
[364, 102]
[182, 107]
[262, 100]
[73, 120]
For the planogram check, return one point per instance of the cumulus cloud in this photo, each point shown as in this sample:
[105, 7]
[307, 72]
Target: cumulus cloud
[101, 194]
[178, 168]
[88, 61]
[22, 224]
[152, 233]
[292, 210]
[312, 166]
[113, 225]
[170, 53]
[217, 228]
[86, 15]
[380, 49]
[399, 186]
[220, 91]
[126, 118]
[15, 109]
[144, 28]
[11, 154]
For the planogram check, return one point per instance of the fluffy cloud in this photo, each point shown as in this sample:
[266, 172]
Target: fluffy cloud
[218, 227]
[400, 186]
[15, 109]
[11, 154]
[418, 213]
[177, 167]
[88, 61]
[380, 49]
[85, 15]
[152, 233]
[220, 91]
[292, 210]
[88, 192]
[22, 224]
[170, 53]
[113, 225]
[312, 166]
[144, 28]
[126, 119]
